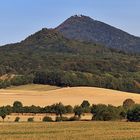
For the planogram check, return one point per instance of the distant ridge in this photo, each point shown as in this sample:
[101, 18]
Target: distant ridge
[84, 28]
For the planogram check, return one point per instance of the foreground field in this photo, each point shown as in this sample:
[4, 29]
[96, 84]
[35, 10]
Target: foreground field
[70, 131]
[47, 95]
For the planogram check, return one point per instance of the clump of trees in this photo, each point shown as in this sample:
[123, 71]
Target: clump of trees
[16, 81]
[103, 112]
[129, 110]
[133, 114]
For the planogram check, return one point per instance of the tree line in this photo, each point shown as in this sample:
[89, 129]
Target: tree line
[75, 78]
[101, 112]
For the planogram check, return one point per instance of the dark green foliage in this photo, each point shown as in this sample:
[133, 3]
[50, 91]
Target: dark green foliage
[59, 109]
[128, 103]
[78, 110]
[134, 114]
[85, 104]
[17, 107]
[17, 119]
[21, 80]
[59, 119]
[69, 109]
[4, 84]
[102, 112]
[32, 109]
[4, 112]
[47, 119]
[122, 112]
[48, 58]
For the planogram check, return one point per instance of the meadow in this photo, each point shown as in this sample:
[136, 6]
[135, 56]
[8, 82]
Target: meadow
[70, 131]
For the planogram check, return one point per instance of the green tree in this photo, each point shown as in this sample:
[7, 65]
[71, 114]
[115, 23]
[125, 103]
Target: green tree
[17, 107]
[4, 112]
[128, 103]
[69, 109]
[133, 114]
[59, 109]
[102, 112]
[78, 110]
[85, 104]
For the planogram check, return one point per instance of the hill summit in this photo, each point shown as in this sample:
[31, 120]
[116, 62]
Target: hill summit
[84, 28]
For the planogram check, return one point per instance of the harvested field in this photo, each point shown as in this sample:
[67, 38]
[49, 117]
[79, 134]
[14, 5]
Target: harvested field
[70, 131]
[72, 96]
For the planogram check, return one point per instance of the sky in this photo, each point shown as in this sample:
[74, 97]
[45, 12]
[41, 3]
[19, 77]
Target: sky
[20, 18]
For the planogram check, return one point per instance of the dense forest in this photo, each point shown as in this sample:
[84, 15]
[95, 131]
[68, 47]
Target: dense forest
[47, 57]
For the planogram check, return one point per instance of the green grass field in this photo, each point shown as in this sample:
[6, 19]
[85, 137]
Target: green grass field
[70, 131]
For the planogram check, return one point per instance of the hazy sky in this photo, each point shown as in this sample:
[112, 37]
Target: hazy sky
[20, 18]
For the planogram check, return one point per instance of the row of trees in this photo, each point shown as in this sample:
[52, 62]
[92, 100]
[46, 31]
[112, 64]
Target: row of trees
[101, 112]
[75, 78]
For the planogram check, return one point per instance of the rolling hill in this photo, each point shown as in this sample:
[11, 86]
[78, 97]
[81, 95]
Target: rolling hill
[72, 96]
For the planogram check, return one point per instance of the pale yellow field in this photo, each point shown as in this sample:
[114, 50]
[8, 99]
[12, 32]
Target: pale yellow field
[42, 96]
[70, 131]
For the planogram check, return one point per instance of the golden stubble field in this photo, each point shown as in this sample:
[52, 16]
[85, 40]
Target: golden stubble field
[70, 131]
[46, 95]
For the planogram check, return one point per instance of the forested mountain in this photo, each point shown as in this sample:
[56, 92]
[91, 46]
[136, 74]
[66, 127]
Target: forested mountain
[84, 28]
[47, 57]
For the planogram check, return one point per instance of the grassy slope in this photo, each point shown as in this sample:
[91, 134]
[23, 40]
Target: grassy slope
[70, 130]
[40, 95]
[33, 87]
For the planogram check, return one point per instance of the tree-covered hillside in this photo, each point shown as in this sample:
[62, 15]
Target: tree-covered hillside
[47, 57]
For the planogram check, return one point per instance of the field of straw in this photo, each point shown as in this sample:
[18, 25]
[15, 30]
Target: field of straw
[46, 95]
[70, 131]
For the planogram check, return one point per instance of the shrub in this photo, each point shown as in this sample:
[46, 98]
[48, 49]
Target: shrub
[69, 109]
[85, 104]
[59, 119]
[30, 119]
[133, 114]
[47, 119]
[4, 111]
[17, 119]
[74, 118]
[102, 112]
[78, 110]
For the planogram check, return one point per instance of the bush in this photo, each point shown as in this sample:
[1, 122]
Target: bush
[74, 118]
[78, 111]
[85, 104]
[102, 112]
[17, 119]
[133, 114]
[47, 119]
[59, 119]
[69, 109]
[30, 119]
